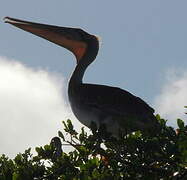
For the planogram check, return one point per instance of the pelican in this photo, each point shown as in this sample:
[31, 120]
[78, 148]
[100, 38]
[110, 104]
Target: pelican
[117, 109]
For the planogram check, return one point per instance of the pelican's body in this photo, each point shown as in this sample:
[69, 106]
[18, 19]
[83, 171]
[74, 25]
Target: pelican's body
[114, 107]
[107, 106]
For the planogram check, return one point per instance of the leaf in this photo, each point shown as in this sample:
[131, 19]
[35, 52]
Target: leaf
[65, 126]
[137, 134]
[70, 125]
[47, 147]
[16, 176]
[37, 149]
[60, 134]
[158, 117]
[180, 123]
[95, 174]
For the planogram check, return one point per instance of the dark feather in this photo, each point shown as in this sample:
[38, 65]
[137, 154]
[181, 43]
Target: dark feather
[113, 98]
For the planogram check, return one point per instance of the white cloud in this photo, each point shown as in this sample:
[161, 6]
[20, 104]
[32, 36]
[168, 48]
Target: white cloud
[32, 107]
[173, 97]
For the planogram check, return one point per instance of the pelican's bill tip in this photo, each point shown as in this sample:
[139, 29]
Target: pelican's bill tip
[6, 19]
[14, 21]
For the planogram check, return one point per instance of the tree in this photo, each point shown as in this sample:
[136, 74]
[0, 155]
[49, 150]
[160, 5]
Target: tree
[99, 156]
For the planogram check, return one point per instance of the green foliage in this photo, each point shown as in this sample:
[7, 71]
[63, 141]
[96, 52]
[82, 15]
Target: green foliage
[100, 156]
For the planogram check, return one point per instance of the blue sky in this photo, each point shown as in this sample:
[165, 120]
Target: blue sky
[143, 45]
[139, 39]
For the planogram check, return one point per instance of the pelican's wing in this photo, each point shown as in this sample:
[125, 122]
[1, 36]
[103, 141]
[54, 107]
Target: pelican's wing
[113, 99]
[119, 105]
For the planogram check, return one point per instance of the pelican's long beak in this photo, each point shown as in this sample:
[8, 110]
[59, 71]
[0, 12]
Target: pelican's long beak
[63, 36]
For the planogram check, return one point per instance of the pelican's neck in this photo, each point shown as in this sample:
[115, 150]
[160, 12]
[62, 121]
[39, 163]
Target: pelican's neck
[88, 58]
[78, 73]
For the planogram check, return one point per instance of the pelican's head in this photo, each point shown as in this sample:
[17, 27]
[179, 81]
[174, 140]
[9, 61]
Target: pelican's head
[79, 42]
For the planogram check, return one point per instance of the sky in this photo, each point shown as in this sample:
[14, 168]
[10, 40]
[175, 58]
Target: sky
[142, 49]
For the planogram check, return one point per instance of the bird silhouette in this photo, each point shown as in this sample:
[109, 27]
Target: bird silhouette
[117, 109]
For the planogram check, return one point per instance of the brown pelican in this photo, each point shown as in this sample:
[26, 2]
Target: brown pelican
[112, 106]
